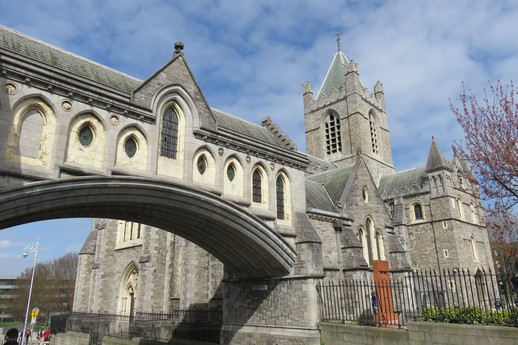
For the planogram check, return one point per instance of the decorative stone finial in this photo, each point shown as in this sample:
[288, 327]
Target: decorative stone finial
[178, 47]
[378, 87]
[351, 67]
[338, 40]
[307, 88]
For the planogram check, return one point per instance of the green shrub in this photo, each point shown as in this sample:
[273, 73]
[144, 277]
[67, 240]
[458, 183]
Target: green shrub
[470, 315]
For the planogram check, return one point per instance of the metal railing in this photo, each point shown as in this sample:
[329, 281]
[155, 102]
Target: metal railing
[145, 324]
[454, 296]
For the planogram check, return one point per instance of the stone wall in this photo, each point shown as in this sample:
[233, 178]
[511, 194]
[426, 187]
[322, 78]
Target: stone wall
[270, 312]
[76, 338]
[417, 333]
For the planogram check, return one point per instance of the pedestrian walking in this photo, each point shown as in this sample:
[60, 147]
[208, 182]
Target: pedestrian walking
[11, 337]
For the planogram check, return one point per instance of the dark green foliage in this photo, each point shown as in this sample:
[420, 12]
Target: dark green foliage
[471, 315]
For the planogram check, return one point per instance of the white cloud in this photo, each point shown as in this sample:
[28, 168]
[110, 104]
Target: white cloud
[5, 244]
[251, 57]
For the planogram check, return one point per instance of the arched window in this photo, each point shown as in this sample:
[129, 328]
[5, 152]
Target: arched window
[374, 135]
[202, 164]
[460, 178]
[474, 216]
[434, 179]
[369, 226]
[332, 134]
[461, 208]
[169, 144]
[231, 172]
[473, 248]
[280, 197]
[380, 249]
[128, 291]
[128, 233]
[130, 147]
[233, 181]
[362, 237]
[86, 135]
[365, 195]
[257, 190]
[29, 142]
[418, 211]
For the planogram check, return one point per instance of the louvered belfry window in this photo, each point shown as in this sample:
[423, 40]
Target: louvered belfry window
[169, 144]
[374, 135]
[332, 132]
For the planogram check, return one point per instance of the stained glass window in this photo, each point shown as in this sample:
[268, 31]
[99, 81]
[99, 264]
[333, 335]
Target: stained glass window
[231, 172]
[256, 186]
[169, 145]
[280, 197]
[130, 146]
[86, 136]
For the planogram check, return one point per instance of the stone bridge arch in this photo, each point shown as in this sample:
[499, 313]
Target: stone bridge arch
[246, 245]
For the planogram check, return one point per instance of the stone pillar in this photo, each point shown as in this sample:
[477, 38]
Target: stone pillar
[280, 311]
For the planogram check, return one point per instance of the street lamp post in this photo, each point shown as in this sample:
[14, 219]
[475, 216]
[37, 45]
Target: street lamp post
[33, 247]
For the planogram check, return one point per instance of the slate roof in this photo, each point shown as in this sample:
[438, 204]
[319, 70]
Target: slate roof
[317, 197]
[306, 231]
[436, 160]
[55, 57]
[90, 243]
[411, 177]
[44, 53]
[324, 190]
[334, 181]
[235, 124]
[320, 164]
[335, 77]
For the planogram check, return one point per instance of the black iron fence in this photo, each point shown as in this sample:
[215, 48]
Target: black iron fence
[197, 323]
[454, 296]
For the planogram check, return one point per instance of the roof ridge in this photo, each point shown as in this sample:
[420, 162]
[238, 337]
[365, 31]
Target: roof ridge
[329, 171]
[69, 53]
[236, 117]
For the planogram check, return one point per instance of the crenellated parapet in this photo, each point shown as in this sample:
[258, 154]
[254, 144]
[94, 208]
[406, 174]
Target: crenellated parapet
[282, 137]
[351, 85]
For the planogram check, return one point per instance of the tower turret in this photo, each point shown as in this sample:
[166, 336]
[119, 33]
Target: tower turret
[345, 118]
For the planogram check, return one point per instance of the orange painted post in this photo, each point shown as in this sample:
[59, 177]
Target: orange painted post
[385, 316]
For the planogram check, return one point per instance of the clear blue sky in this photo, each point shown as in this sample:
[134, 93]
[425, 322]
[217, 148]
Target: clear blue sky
[251, 58]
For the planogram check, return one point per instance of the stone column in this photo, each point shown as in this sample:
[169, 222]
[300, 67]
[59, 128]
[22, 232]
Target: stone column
[276, 311]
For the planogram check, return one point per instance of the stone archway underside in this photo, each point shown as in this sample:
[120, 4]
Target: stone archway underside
[245, 244]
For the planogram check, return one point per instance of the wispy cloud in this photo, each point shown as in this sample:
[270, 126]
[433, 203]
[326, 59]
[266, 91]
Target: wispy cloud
[251, 57]
[4, 244]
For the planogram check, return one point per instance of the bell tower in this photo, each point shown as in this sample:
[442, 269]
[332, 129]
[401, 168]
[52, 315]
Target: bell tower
[345, 119]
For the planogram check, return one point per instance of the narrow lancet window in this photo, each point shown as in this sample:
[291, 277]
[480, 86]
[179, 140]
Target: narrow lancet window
[257, 180]
[280, 198]
[169, 145]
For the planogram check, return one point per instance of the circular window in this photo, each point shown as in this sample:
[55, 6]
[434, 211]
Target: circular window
[86, 136]
[130, 146]
[202, 165]
[231, 172]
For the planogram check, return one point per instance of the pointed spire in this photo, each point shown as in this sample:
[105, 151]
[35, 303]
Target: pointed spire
[335, 77]
[436, 160]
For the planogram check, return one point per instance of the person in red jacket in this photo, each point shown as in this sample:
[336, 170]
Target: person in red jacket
[46, 335]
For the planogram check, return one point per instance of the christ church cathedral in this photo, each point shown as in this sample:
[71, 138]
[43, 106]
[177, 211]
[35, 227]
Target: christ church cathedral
[328, 210]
